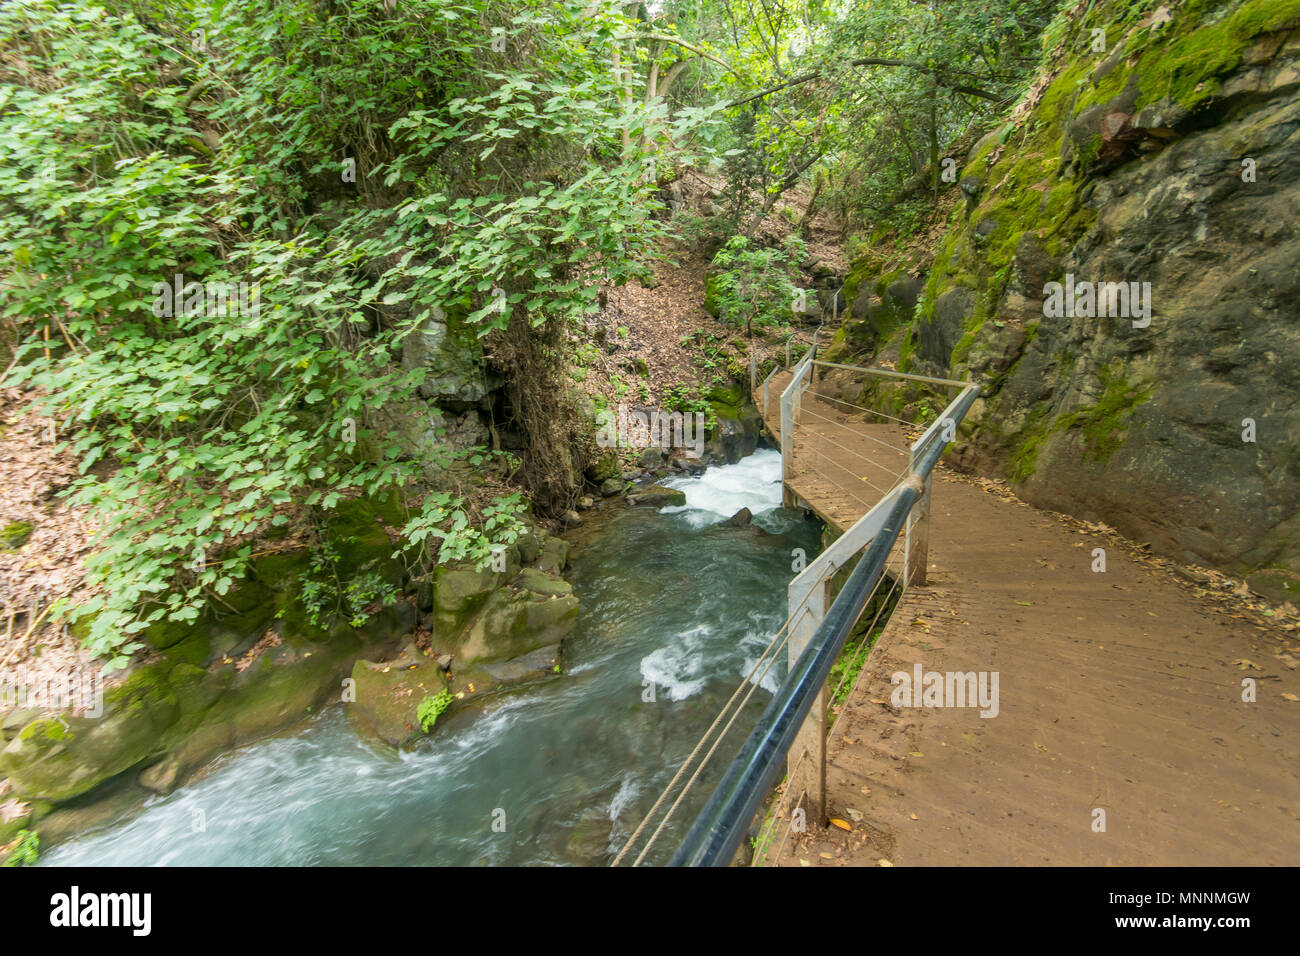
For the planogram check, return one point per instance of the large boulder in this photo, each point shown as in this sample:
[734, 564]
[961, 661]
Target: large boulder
[1176, 171]
[57, 757]
[388, 694]
[453, 362]
[657, 496]
[534, 610]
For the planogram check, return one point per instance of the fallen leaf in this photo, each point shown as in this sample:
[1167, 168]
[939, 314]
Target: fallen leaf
[883, 862]
[1291, 697]
[842, 824]
[12, 809]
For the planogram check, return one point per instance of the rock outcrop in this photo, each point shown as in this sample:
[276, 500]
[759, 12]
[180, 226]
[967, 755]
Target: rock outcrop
[267, 662]
[1168, 163]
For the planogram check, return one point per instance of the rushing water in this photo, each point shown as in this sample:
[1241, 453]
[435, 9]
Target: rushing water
[671, 601]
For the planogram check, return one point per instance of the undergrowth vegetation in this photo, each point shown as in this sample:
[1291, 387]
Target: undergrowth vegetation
[360, 170]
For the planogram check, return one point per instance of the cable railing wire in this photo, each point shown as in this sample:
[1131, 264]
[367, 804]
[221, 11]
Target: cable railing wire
[720, 827]
[714, 836]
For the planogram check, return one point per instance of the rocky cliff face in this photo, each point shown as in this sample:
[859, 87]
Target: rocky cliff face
[1166, 157]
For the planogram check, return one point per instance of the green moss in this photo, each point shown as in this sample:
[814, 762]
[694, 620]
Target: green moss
[163, 634]
[14, 535]
[838, 350]
[1024, 459]
[961, 351]
[725, 394]
[885, 281]
[977, 163]
[1184, 68]
[145, 691]
[1103, 424]
[49, 728]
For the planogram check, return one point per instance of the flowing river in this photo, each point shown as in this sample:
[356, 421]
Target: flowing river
[675, 606]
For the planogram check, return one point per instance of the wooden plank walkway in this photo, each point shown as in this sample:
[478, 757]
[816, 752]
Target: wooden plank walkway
[1118, 691]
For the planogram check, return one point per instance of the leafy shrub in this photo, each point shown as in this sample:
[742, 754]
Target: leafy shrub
[755, 285]
[431, 708]
[26, 852]
[492, 188]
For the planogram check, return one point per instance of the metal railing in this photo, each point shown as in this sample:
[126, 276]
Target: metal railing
[795, 717]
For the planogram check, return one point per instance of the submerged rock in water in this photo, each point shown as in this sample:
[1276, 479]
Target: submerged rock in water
[657, 496]
[741, 519]
[589, 842]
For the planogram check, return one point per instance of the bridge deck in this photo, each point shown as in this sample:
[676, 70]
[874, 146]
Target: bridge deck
[1118, 691]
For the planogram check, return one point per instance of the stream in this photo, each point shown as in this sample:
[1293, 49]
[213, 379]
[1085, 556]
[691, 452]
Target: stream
[674, 605]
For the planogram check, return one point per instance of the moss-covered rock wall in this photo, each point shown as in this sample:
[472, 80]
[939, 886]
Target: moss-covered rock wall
[1164, 154]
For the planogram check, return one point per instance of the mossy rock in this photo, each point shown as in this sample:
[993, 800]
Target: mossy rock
[725, 395]
[278, 689]
[712, 293]
[196, 689]
[164, 634]
[460, 589]
[195, 649]
[388, 695]
[1277, 585]
[605, 467]
[280, 570]
[657, 496]
[353, 527]
[536, 610]
[541, 664]
[529, 544]
[554, 556]
[539, 582]
[58, 758]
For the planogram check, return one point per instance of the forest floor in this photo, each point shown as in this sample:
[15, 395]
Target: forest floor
[50, 563]
[651, 339]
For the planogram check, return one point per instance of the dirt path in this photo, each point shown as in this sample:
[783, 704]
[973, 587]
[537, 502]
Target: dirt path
[1117, 692]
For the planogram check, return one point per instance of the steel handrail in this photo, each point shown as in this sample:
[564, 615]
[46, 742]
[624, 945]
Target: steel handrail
[722, 825]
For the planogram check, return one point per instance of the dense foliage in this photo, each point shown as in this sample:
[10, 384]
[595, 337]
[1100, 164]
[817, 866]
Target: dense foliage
[214, 141]
[756, 285]
[221, 219]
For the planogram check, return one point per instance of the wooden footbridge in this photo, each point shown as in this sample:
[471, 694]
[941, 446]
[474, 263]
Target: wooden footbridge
[1121, 735]
[1122, 721]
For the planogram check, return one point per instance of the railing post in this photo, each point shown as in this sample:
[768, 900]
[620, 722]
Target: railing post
[916, 547]
[806, 759]
[789, 399]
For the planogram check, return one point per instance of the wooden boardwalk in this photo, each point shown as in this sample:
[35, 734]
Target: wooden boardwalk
[1120, 693]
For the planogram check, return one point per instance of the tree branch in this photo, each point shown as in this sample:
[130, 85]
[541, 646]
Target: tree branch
[678, 41]
[937, 72]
